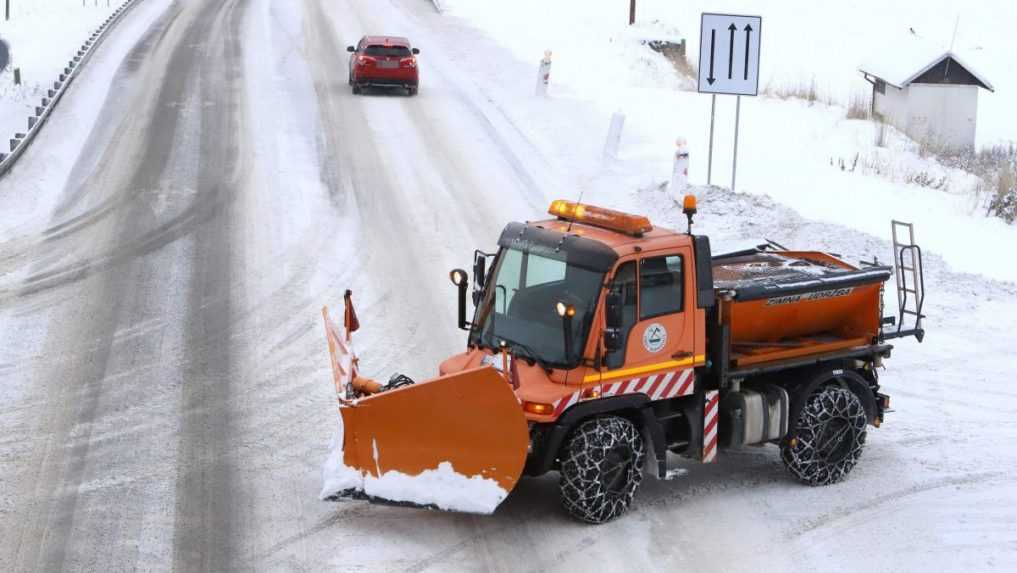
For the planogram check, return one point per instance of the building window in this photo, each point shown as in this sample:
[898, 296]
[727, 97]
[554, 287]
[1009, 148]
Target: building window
[881, 87]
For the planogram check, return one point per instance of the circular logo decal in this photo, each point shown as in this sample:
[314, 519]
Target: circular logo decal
[655, 337]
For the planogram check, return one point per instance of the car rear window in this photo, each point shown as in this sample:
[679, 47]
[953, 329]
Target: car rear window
[387, 51]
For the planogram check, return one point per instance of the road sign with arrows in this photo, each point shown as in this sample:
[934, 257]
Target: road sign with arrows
[729, 54]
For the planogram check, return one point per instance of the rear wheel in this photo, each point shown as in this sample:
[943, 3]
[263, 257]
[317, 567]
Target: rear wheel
[601, 468]
[828, 437]
[412, 91]
[356, 88]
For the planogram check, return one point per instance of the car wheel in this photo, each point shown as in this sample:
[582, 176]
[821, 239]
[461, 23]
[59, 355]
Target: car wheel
[601, 468]
[412, 91]
[828, 437]
[356, 88]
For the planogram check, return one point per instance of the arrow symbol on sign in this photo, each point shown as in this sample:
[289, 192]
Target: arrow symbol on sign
[748, 34]
[730, 52]
[713, 43]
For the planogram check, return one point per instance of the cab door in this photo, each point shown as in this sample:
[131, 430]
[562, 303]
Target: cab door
[657, 320]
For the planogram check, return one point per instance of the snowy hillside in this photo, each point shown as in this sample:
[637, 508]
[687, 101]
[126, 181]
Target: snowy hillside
[789, 149]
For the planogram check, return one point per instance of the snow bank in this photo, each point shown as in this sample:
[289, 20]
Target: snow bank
[441, 487]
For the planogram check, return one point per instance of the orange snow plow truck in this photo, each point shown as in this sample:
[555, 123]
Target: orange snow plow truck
[600, 343]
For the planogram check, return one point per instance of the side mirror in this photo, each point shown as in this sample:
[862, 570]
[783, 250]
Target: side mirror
[613, 309]
[479, 270]
[460, 279]
[479, 277]
[613, 321]
[415, 51]
[350, 49]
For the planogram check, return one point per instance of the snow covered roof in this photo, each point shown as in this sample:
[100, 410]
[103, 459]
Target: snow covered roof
[909, 59]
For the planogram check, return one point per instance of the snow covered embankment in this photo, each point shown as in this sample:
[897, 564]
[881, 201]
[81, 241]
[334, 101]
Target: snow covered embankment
[43, 35]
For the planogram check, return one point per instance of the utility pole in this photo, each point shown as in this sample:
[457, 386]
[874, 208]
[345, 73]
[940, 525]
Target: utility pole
[7, 9]
[632, 11]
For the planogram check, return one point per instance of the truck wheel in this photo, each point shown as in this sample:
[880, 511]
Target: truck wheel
[828, 437]
[601, 467]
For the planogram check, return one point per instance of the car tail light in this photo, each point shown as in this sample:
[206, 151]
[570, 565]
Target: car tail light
[364, 60]
[408, 63]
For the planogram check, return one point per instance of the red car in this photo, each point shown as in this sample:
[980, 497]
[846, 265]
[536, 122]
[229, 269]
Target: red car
[383, 61]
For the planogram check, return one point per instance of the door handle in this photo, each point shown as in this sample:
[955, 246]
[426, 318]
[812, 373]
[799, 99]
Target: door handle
[681, 355]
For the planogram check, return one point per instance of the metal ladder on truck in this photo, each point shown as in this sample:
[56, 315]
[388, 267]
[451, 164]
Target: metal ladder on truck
[910, 276]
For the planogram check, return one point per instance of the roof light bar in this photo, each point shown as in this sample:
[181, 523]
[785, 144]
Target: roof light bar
[600, 217]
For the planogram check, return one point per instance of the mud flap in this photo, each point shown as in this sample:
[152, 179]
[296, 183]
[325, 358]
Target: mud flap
[456, 442]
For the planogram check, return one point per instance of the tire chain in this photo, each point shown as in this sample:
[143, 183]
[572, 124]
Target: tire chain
[583, 491]
[804, 459]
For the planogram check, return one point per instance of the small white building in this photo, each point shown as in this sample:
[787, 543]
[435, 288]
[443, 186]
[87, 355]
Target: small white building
[927, 93]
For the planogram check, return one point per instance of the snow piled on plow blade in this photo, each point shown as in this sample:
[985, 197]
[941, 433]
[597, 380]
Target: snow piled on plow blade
[442, 487]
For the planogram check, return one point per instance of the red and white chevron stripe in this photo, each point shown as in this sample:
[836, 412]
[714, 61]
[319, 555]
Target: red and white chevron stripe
[657, 387]
[710, 419]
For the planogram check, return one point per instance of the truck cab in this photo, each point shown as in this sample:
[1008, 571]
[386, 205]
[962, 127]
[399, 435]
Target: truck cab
[591, 303]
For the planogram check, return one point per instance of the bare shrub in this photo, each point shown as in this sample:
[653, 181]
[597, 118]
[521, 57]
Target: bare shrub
[1003, 203]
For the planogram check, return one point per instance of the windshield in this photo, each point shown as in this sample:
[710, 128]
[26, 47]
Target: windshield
[519, 307]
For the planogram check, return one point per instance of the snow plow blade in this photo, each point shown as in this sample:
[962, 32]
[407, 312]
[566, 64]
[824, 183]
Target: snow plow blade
[456, 442]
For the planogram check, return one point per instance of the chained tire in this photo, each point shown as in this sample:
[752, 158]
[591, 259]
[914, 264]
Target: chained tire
[601, 468]
[828, 437]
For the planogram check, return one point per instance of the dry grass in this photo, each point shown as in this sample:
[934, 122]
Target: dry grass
[859, 106]
[995, 167]
[802, 90]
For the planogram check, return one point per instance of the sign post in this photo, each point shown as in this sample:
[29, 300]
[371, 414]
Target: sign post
[728, 64]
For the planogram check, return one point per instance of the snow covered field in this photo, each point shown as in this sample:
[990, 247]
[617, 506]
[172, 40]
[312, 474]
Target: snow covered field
[43, 35]
[164, 257]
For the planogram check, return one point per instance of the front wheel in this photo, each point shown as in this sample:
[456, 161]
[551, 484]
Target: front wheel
[828, 437]
[601, 468]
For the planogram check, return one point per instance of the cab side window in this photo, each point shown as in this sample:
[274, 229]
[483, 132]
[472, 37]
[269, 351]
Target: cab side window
[625, 284]
[661, 281]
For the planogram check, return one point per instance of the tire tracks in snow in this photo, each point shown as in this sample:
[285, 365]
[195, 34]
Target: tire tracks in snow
[204, 518]
[835, 516]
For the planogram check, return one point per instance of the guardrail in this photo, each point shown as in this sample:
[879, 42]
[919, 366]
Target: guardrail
[20, 142]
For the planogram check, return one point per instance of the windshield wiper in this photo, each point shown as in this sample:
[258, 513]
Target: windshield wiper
[529, 353]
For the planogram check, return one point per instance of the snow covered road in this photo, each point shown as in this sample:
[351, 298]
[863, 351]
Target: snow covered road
[210, 182]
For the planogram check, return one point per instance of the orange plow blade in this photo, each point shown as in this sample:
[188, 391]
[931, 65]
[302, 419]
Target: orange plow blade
[456, 442]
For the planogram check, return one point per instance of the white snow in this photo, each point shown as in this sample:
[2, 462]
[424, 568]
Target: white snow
[441, 487]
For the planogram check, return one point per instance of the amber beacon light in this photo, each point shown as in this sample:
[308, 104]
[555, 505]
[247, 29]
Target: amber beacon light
[626, 223]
